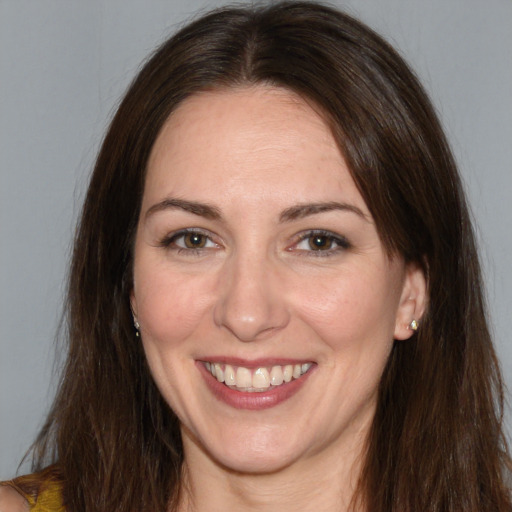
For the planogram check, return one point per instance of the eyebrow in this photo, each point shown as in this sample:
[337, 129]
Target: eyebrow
[295, 212]
[304, 210]
[200, 209]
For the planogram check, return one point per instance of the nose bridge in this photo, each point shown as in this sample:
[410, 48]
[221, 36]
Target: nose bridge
[251, 303]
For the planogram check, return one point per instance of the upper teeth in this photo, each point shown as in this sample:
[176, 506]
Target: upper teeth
[256, 379]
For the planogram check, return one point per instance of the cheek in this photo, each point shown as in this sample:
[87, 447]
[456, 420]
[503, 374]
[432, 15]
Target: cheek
[349, 309]
[170, 306]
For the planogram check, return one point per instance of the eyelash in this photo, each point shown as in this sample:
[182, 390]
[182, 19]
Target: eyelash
[169, 242]
[340, 242]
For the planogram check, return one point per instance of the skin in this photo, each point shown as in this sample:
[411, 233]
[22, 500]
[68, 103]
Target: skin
[257, 290]
[12, 501]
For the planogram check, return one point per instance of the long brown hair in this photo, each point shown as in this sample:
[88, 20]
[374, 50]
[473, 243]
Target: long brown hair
[436, 442]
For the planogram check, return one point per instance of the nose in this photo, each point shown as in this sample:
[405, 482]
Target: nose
[251, 299]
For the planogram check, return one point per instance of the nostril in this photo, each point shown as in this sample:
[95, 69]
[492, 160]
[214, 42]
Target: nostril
[251, 316]
[250, 302]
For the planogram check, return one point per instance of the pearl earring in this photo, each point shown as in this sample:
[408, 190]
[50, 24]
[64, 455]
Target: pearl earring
[137, 327]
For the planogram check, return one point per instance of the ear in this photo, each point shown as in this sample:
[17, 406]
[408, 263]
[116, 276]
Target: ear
[413, 301]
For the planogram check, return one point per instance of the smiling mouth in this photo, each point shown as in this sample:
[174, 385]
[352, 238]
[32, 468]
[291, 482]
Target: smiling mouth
[256, 380]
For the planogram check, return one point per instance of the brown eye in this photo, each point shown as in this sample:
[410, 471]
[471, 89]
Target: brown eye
[189, 240]
[194, 240]
[320, 242]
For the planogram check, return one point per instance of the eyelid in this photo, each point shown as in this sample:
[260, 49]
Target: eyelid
[341, 242]
[170, 238]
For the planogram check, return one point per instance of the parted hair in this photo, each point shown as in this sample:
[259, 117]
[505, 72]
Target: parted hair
[436, 442]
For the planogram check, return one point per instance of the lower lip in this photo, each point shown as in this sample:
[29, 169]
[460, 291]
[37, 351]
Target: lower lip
[257, 400]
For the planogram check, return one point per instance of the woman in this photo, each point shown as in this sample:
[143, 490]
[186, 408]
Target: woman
[275, 298]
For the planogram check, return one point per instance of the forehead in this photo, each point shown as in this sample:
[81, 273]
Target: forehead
[252, 141]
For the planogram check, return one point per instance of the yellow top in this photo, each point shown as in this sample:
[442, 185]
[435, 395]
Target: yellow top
[49, 499]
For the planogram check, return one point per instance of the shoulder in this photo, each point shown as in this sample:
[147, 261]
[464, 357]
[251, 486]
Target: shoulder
[37, 492]
[11, 500]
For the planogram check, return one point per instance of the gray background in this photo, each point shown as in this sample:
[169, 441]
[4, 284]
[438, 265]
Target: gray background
[63, 66]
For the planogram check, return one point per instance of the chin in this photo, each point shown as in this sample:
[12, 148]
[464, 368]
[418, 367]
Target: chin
[255, 463]
[268, 452]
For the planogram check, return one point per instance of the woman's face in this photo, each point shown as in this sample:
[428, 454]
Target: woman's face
[257, 259]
